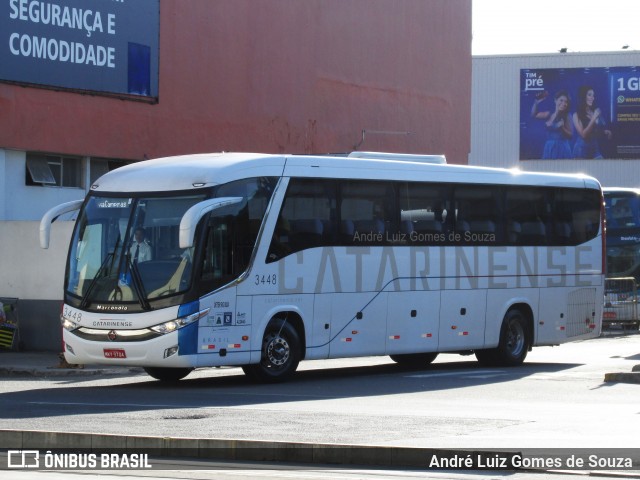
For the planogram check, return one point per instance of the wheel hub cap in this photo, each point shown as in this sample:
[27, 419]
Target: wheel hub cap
[278, 351]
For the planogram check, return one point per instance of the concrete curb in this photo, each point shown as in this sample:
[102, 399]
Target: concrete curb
[14, 371]
[633, 377]
[50, 364]
[624, 377]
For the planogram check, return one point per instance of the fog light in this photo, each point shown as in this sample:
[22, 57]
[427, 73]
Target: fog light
[68, 348]
[170, 351]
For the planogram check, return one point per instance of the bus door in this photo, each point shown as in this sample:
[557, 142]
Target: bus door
[225, 332]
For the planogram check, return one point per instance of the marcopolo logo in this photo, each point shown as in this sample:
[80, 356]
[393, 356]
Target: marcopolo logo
[112, 308]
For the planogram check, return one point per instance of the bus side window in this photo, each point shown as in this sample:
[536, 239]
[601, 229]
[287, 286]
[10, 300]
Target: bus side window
[424, 213]
[306, 220]
[478, 214]
[528, 216]
[580, 211]
[217, 260]
[258, 192]
[366, 212]
[622, 213]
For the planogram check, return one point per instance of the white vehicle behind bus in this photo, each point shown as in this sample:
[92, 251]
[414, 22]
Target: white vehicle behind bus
[262, 261]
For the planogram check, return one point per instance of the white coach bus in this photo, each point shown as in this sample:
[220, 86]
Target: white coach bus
[262, 261]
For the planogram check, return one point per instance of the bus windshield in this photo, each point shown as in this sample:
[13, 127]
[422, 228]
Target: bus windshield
[623, 234]
[127, 250]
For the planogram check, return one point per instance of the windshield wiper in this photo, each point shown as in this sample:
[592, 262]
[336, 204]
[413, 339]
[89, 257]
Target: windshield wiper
[138, 286]
[111, 255]
[85, 298]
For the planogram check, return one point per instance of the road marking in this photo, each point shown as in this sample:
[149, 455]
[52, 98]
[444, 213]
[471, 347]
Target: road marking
[151, 405]
[81, 404]
[467, 373]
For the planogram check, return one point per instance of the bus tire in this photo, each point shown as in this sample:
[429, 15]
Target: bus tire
[168, 374]
[514, 344]
[281, 353]
[414, 360]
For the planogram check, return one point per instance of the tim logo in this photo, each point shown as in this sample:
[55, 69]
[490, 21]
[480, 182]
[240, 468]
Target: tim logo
[23, 459]
[533, 81]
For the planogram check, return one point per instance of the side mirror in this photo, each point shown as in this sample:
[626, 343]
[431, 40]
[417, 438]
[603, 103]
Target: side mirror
[192, 216]
[51, 216]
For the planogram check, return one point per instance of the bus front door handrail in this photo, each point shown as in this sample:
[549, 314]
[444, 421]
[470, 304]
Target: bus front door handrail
[51, 216]
[192, 216]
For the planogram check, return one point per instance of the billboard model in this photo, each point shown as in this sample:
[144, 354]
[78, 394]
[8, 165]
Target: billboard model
[580, 113]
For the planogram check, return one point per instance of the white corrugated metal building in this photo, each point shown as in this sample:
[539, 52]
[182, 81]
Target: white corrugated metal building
[495, 114]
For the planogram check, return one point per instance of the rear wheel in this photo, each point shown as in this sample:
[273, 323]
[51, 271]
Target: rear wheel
[414, 360]
[515, 341]
[281, 353]
[168, 374]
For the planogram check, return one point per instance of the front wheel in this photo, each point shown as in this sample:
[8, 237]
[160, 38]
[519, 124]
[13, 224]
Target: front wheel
[281, 353]
[514, 344]
[168, 374]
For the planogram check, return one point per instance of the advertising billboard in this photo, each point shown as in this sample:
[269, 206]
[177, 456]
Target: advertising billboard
[580, 113]
[103, 46]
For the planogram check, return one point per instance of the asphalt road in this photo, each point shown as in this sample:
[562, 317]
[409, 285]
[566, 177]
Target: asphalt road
[557, 399]
[557, 402]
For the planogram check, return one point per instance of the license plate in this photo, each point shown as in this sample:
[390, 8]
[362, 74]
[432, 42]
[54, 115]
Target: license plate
[114, 353]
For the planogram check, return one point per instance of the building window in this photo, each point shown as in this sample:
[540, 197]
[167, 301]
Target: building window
[39, 171]
[100, 166]
[53, 170]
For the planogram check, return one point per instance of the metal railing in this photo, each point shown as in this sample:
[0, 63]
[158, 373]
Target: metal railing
[620, 303]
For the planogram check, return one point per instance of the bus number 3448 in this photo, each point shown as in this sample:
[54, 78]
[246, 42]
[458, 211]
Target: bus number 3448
[266, 279]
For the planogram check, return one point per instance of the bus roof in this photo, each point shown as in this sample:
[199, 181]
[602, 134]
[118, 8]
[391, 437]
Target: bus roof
[188, 172]
[612, 190]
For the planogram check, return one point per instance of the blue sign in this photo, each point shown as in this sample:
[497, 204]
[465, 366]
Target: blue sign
[109, 46]
[580, 113]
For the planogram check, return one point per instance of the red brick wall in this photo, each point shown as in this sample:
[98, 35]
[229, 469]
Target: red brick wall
[275, 76]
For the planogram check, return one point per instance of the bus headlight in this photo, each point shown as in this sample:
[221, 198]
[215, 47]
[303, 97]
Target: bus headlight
[67, 324]
[173, 325]
[167, 327]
